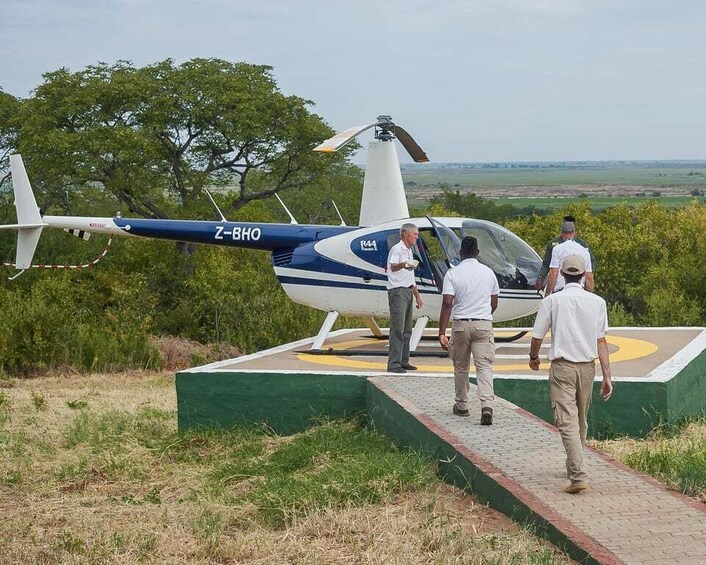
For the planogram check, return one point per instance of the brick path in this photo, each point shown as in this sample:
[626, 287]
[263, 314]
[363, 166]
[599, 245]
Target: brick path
[623, 517]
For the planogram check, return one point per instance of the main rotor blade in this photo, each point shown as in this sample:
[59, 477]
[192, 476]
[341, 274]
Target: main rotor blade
[407, 141]
[342, 137]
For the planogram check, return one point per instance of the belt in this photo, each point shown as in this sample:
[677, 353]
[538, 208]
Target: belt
[470, 320]
[406, 287]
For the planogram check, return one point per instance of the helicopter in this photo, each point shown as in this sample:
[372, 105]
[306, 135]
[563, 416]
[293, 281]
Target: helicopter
[338, 269]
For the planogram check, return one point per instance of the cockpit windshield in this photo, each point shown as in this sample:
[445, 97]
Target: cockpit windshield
[514, 262]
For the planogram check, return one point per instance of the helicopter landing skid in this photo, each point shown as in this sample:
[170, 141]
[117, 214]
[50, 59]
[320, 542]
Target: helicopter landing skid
[510, 338]
[370, 352]
[498, 339]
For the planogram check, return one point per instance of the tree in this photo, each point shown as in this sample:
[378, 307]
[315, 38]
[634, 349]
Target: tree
[9, 106]
[156, 136]
[473, 206]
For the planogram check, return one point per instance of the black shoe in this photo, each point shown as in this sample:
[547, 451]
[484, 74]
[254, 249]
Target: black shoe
[409, 367]
[486, 417]
[459, 412]
[397, 370]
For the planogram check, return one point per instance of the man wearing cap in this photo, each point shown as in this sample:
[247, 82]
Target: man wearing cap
[401, 288]
[471, 291]
[568, 247]
[578, 321]
[540, 283]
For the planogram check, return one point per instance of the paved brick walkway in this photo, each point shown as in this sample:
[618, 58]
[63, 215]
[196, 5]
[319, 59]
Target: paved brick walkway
[624, 517]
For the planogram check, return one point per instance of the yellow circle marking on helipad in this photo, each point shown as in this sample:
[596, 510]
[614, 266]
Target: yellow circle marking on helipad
[629, 348]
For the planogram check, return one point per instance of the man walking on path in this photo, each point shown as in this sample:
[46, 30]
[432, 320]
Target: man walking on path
[471, 290]
[544, 269]
[560, 252]
[400, 289]
[578, 321]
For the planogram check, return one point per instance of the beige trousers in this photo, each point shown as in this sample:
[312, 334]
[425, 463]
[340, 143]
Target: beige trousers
[473, 338]
[570, 390]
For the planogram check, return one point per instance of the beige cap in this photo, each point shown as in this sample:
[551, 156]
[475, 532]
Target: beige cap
[573, 265]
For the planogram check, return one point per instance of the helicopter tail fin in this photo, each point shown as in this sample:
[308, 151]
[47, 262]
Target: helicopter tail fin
[29, 221]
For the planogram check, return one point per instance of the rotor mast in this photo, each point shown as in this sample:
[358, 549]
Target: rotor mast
[383, 198]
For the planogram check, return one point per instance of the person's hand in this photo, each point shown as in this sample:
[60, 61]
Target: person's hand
[606, 388]
[444, 342]
[539, 284]
[419, 302]
[534, 364]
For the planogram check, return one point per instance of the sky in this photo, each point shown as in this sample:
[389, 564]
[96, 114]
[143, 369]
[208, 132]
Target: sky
[471, 80]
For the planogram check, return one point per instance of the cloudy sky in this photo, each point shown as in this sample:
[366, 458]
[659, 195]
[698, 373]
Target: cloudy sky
[472, 80]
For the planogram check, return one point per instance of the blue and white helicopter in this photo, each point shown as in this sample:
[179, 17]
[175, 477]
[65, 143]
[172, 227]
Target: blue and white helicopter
[337, 269]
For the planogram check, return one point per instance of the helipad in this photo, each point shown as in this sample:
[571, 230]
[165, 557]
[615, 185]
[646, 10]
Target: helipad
[659, 375]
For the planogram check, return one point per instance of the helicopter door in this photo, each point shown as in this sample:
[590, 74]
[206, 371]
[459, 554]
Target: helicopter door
[450, 246]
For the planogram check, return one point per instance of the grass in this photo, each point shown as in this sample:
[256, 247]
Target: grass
[675, 456]
[95, 472]
[623, 174]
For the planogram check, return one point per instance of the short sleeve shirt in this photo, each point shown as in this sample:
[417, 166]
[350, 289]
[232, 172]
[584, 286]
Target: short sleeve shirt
[399, 253]
[471, 284]
[577, 318]
[561, 252]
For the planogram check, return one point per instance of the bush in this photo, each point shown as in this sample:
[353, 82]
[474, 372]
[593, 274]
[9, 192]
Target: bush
[65, 322]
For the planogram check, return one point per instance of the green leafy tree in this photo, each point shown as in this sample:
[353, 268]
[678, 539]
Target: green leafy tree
[471, 205]
[9, 106]
[156, 136]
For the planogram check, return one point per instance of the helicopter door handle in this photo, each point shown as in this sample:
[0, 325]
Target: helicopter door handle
[366, 279]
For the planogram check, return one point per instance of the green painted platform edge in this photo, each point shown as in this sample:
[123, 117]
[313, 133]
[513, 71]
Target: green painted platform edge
[291, 401]
[686, 395]
[634, 410]
[286, 403]
[409, 432]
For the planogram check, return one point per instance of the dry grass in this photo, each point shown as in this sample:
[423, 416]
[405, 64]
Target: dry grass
[67, 501]
[178, 353]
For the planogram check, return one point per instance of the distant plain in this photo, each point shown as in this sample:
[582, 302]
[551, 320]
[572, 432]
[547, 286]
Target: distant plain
[553, 185]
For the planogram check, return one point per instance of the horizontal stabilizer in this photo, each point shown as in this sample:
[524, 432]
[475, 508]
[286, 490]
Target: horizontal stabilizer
[18, 226]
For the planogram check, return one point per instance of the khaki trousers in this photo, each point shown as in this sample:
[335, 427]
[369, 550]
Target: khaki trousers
[473, 338]
[571, 390]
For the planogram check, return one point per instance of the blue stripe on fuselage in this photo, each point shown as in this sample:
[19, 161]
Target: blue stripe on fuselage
[250, 235]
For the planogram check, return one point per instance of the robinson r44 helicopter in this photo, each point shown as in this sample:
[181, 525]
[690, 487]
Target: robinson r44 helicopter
[337, 269]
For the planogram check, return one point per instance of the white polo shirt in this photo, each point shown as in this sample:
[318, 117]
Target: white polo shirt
[471, 284]
[561, 252]
[399, 253]
[577, 319]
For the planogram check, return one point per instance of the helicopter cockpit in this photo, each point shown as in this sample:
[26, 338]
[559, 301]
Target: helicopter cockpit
[514, 263]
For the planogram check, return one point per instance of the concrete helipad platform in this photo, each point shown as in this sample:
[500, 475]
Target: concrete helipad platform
[659, 375]
[634, 353]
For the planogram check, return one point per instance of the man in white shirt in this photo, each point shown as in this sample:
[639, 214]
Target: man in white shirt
[471, 291]
[400, 289]
[556, 282]
[578, 321]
